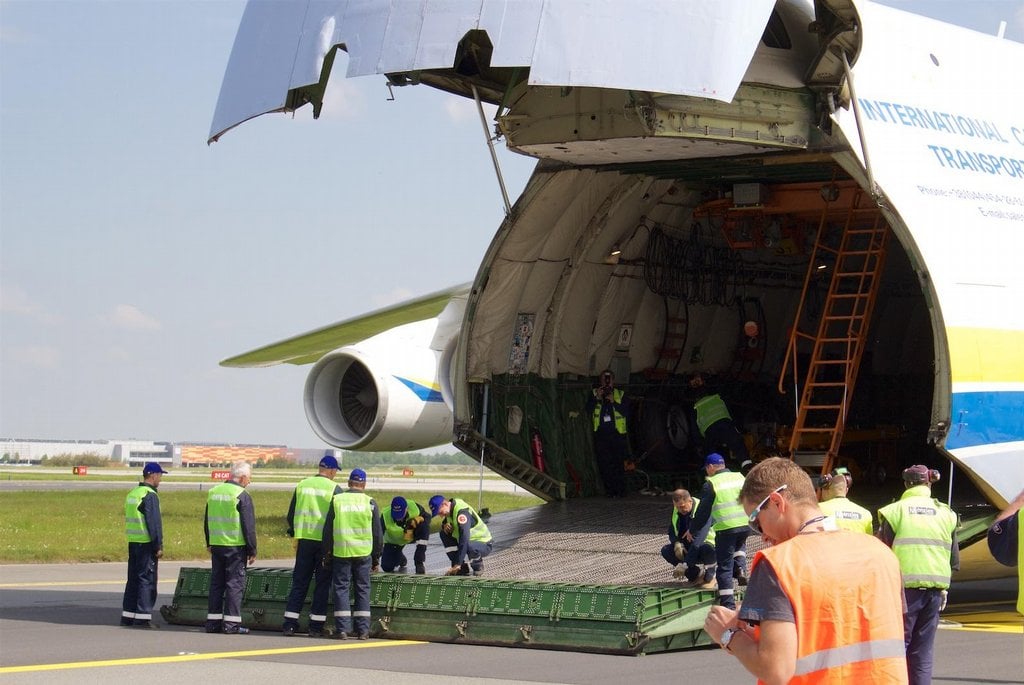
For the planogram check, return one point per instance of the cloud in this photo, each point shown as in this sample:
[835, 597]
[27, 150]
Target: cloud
[14, 300]
[130, 317]
[394, 297]
[40, 356]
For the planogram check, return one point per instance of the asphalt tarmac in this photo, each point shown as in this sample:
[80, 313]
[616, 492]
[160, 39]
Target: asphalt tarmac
[58, 624]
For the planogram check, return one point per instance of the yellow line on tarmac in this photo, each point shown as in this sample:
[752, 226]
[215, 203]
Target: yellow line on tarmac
[179, 658]
[988, 622]
[64, 583]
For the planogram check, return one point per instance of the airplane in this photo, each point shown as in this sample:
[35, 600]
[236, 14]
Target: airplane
[818, 205]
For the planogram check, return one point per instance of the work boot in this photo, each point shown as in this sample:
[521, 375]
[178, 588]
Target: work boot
[464, 570]
[679, 571]
[709, 573]
[403, 565]
[421, 569]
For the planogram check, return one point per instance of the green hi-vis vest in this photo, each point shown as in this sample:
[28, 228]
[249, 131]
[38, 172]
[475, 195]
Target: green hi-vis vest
[312, 502]
[923, 528]
[727, 512]
[134, 523]
[353, 524]
[222, 517]
[620, 420]
[478, 533]
[847, 515]
[710, 409]
[709, 538]
[394, 532]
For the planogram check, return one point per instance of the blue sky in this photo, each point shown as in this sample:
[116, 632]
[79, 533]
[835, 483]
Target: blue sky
[133, 258]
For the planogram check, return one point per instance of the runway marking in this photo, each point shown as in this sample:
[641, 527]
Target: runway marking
[76, 582]
[987, 622]
[179, 658]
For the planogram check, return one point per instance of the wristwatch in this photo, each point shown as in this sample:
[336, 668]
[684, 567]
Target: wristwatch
[727, 638]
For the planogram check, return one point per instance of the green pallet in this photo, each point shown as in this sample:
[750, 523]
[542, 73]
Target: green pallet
[614, 619]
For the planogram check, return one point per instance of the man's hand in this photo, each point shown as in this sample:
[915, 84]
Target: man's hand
[375, 568]
[688, 536]
[454, 570]
[944, 597]
[159, 554]
[446, 528]
[251, 559]
[719, 618]
[407, 535]
[414, 523]
[678, 550]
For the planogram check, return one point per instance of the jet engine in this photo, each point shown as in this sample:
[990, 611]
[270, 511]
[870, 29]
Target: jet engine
[384, 393]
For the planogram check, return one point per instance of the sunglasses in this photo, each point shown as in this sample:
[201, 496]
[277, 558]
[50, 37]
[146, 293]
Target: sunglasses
[752, 521]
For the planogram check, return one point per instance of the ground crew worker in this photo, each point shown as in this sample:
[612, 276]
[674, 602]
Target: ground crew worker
[464, 535]
[846, 513]
[405, 522]
[806, 618]
[353, 540]
[230, 528]
[922, 532]
[717, 427]
[306, 516]
[144, 529]
[1006, 542]
[610, 412]
[675, 551]
[718, 501]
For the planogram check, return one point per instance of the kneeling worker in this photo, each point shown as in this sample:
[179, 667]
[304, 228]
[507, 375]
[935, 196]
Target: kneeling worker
[404, 522]
[847, 514]
[463, 534]
[675, 552]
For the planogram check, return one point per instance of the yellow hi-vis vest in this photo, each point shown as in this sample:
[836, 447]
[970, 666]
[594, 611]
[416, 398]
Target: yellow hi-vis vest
[620, 420]
[394, 532]
[134, 523]
[727, 512]
[312, 502]
[708, 539]
[478, 533]
[710, 408]
[222, 517]
[923, 528]
[353, 524]
[848, 515]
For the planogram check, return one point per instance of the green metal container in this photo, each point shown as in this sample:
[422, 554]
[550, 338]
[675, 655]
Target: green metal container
[614, 619]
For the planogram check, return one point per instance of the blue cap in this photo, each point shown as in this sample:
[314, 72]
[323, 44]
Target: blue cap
[435, 503]
[152, 467]
[714, 458]
[398, 508]
[357, 476]
[329, 462]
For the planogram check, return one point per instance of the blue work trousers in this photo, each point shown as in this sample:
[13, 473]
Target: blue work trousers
[352, 574]
[919, 627]
[140, 590]
[227, 583]
[730, 551]
[308, 563]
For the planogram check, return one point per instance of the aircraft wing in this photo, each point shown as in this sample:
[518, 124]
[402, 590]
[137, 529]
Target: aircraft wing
[309, 347]
[284, 50]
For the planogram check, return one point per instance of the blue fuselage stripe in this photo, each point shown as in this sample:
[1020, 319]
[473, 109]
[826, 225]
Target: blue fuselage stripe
[984, 418]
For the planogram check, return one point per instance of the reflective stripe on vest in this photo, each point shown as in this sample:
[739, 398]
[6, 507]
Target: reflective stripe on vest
[353, 525]
[222, 517]
[394, 532]
[923, 529]
[727, 512]
[620, 420]
[134, 522]
[849, 636]
[478, 533]
[312, 502]
[710, 408]
[848, 515]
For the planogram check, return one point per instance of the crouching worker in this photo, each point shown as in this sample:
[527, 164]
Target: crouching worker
[464, 535]
[353, 541]
[405, 522]
[700, 566]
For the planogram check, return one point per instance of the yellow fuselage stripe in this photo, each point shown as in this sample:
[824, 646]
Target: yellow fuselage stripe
[986, 355]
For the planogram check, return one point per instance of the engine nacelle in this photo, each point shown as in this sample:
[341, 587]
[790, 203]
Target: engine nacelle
[384, 393]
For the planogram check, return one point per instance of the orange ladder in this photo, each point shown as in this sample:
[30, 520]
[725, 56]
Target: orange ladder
[841, 336]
